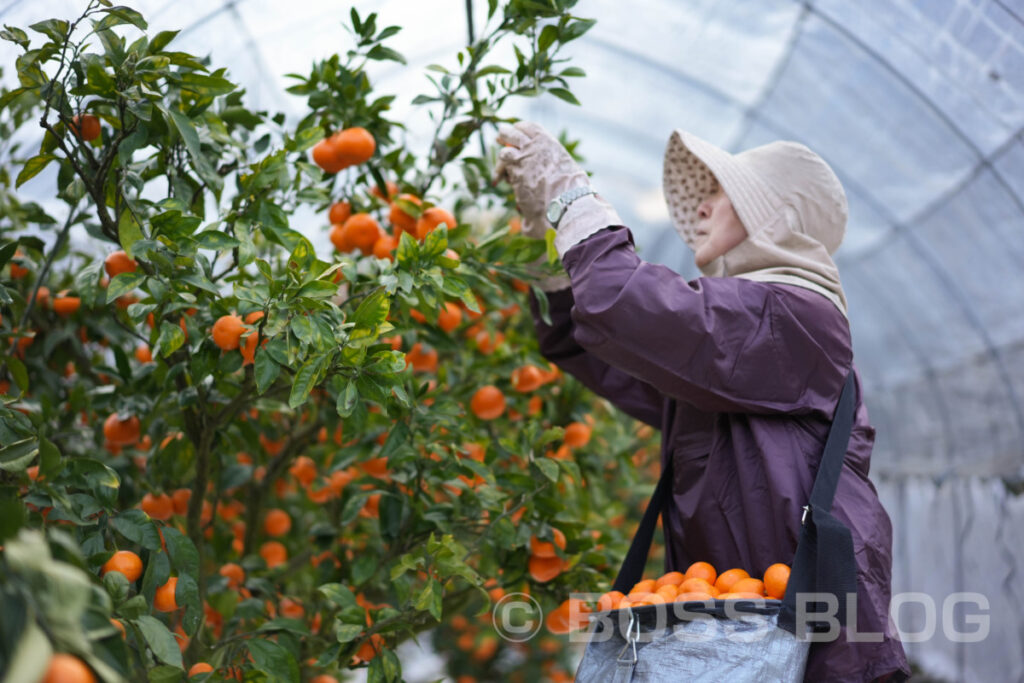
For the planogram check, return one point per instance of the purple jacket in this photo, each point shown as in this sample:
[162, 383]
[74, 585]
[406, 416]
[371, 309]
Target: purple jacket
[742, 379]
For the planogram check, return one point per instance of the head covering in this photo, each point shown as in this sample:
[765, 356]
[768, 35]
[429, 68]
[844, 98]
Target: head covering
[790, 202]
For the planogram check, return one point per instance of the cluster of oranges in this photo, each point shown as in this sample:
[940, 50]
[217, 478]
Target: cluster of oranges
[230, 332]
[488, 402]
[352, 231]
[545, 563]
[348, 147]
[701, 582]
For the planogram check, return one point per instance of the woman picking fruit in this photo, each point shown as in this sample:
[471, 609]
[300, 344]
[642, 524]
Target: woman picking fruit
[740, 369]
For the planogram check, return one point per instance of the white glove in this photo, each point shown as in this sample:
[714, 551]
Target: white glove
[539, 169]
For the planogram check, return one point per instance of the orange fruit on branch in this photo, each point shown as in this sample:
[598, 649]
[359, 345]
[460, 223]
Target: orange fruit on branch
[274, 554]
[126, 562]
[158, 507]
[119, 262]
[362, 231]
[577, 434]
[277, 522]
[199, 668]
[544, 569]
[420, 360]
[233, 573]
[430, 219]
[64, 305]
[339, 212]
[121, 432]
[354, 145]
[450, 317]
[326, 156]
[541, 548]
[227, 332]
[399, 219]
[164, 600]
[385, 247]
[488, 403]
[86, 127]
[65, 668]
[527, 378]
[391, 188]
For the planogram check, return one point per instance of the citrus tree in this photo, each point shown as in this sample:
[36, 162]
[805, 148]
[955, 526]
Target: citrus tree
[222, 453]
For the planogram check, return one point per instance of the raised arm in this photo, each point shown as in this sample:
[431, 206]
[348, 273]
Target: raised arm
[557, 343]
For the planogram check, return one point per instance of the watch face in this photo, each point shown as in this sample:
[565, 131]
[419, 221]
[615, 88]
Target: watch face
[554, 211]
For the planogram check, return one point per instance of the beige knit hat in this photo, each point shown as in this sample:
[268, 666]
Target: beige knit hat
[789, 200]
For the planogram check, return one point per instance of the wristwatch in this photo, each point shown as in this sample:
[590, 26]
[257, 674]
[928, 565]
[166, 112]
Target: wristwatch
[558, 205]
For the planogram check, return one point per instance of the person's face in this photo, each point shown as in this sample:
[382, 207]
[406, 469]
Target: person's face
[718, 228]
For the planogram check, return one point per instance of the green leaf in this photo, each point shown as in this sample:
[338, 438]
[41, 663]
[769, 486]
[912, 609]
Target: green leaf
[187, 595]
[563, 94]
[577, 29]
[548, 467]
[338, 594]
[128, 231]
[346, 633]
[430, 599]
[302, 327]
[15, 35]
[54, 29]
[137, 527]
[50, 462]
[208, 86]
[347, 399]
[122, 15]
[15, 457]
[305, 380]
[18, 372]
[266, 370]
[216, 240]
[373, 311]
[161, 40]
[171, 338]
[197, 279]
[123, 283]
[184, 556]
[381, 53]
[164, 674]
[33, 167]
[273, 660]
[160, 640]
[408, 249]
[192, 144]
[97, 477]
[385, 668]
[548, 35]
[318, 289]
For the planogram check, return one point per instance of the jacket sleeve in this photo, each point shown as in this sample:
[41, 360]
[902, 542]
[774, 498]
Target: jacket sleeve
[635, 398]
[722, 344]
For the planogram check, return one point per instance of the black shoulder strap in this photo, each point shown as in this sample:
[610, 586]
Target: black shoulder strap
[824, 559]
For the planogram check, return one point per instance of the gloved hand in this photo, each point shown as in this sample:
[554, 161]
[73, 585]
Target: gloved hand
[539, 169]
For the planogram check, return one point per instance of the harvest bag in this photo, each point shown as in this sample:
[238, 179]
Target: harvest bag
[736, 640]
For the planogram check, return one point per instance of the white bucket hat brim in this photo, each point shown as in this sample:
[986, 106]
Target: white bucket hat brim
[694, 169]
